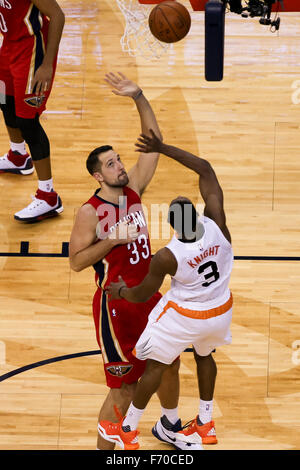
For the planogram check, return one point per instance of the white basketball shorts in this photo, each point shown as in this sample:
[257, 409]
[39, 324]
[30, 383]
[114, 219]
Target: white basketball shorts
[172, 328]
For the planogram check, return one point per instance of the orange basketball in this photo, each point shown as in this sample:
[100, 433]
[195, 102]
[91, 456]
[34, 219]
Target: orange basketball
[169, 21]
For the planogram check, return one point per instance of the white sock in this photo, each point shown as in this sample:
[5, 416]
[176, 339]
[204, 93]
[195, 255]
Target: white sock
[46, 185]
[205, 411]
[20, 148]
[171, 414]
[132, 418]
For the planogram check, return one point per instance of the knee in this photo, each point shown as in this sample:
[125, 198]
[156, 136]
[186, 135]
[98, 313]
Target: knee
[125, 392]
[35, 136]
[172, 371]
[154, 369]
[9, 113]
[174, 367]
[202, 359]
[30, 129]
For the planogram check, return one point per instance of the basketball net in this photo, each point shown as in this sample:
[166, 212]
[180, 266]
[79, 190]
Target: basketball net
[137, 39]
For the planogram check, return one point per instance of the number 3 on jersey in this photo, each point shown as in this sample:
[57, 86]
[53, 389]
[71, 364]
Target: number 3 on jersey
[142, 240]
[213, 274]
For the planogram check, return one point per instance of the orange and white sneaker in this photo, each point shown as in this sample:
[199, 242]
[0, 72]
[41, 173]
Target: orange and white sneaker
[114, 432]
[206, 431]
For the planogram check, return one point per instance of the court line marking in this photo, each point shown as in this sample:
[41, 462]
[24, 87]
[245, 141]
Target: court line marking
[34, 365]
[24, 252]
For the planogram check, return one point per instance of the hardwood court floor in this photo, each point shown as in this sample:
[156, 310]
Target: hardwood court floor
[248, 127]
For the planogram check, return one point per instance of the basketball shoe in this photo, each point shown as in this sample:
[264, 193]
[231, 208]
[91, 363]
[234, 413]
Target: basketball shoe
[43, 206]
[14, 162]
[170, 433]
[206, 431]
[114, 432]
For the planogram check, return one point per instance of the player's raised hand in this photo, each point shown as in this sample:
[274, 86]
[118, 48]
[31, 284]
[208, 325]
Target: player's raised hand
[149, 144]
[114, 289]
[124, 233]
[121, 85]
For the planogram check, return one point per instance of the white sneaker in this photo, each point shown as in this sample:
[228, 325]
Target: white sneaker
[43, 206]
[14, 162]
[167, 432]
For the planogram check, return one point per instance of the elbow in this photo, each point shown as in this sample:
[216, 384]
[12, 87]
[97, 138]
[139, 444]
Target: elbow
[207, 168]
[75, 266]
[58, 16]
[62, 18]
[77, 269]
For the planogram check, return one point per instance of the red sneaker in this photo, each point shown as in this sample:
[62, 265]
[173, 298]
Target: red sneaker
[206, 431]
[113, 432]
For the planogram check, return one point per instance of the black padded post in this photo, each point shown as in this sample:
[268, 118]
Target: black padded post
[214, 40]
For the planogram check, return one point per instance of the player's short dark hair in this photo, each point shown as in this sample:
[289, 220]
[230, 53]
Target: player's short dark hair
[182, 216]
[92, 162]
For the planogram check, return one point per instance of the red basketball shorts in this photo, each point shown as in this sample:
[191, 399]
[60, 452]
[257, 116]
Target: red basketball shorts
[119, 325]
[19, 60]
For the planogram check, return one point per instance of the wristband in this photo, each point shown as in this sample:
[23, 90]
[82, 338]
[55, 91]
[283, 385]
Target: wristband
[140, 92]
[119, 293]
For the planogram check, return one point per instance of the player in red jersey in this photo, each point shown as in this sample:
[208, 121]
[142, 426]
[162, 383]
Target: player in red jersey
[110, 234]
[31, 32]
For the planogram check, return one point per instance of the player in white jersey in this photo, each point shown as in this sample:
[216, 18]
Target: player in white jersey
[196, 310]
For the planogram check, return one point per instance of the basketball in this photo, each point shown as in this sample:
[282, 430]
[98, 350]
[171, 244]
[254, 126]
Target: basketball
[169, 21]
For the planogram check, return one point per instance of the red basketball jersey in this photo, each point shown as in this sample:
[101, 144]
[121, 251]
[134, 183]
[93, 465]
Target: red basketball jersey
[131, 260]
[20, 18]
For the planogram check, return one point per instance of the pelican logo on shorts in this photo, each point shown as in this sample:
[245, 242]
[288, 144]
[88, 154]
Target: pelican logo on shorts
[35, 101]
[119, 371]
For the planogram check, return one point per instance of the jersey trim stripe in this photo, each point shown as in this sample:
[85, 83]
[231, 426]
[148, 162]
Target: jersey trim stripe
[102, 280]
[34, 21]
[31, 70]
[40, 51]
[111, 354]
[37, 58]
[198, 315]
[27, 20]
[116, 342]
[104, 356]
[110, 346]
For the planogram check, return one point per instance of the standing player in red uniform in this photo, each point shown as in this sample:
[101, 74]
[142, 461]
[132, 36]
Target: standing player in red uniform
[102, 238]
[32, 32]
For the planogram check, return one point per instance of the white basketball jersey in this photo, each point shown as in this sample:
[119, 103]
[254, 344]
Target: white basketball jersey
[204, 268]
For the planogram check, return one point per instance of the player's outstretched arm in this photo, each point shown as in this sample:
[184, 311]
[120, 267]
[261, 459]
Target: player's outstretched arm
[209, 186]
[43, 75]
[162, 263]
[142, 172]
[85, 249]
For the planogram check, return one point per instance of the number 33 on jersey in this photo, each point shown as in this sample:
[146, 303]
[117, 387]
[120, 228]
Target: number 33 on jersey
[131, 260]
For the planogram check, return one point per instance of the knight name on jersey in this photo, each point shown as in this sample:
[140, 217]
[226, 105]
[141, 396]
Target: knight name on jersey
[5, 4]
[211, 251]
